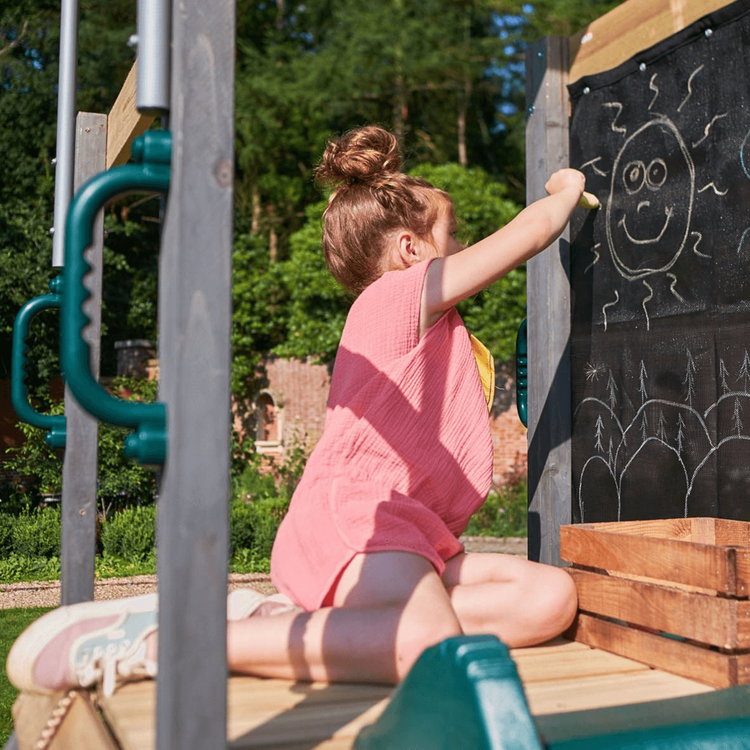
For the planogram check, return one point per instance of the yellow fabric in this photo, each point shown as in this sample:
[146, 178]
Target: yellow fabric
[486, 365]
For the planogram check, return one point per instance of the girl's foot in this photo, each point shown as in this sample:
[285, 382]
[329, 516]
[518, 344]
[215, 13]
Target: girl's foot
[84, 644]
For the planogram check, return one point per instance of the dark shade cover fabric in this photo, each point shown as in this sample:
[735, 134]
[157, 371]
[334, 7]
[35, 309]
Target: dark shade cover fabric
[660, 346]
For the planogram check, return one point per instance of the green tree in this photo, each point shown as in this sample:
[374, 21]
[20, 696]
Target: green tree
[317, 305]
[260, 295]
[482, 207]
[296, 308]
[428, 69]
[558, 18]
[420, 67]
[29, 48]
[279, 136]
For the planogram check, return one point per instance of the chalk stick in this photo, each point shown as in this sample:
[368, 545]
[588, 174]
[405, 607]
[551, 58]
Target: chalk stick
[588, 200]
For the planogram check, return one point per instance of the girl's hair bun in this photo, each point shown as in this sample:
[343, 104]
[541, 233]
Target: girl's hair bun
[366, 155]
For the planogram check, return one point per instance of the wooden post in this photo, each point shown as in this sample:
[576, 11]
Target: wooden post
[548, 292]
[80, 462]
[195, 360]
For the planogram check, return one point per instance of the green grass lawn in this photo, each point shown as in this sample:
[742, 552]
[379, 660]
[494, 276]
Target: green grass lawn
[12, 622]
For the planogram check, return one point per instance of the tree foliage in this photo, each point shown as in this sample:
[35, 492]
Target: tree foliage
[445, 75]
[29, 52]
[120, 482]
[482, 207]
[296, 309]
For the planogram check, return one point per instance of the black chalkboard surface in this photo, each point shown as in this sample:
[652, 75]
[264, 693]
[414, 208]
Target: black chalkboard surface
[660, 345]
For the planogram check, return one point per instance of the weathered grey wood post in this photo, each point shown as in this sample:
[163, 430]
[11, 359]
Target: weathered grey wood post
[80, 462]
[195, 359]
[548, 292]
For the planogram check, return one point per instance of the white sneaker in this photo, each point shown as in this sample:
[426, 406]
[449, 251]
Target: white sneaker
[84, 644]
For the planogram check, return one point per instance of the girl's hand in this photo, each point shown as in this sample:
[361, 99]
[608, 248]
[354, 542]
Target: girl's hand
[566, 179]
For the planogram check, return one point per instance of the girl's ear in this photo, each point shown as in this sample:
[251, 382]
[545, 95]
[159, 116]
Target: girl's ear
[406, 251]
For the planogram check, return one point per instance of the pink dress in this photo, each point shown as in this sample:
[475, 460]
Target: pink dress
[406, 454]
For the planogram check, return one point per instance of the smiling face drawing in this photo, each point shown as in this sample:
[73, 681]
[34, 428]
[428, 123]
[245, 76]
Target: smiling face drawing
[648, 213]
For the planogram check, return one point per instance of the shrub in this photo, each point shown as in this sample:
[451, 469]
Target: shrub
[121, 482]
[18, 568]
[130, 534]
[36, 533]
[253, 525]
[6, 533]
[504, 513]
[253, 485]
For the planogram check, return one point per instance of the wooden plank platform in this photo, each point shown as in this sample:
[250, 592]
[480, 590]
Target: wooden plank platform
[560, 677]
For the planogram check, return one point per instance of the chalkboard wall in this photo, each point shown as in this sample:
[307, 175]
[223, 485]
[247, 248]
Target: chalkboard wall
[660, 348]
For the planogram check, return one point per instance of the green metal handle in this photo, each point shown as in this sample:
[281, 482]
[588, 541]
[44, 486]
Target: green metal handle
[151, 173]
[19, 393]
[522, 373]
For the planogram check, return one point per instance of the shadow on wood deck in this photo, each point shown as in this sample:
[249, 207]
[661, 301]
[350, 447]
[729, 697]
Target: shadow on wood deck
[558, 678]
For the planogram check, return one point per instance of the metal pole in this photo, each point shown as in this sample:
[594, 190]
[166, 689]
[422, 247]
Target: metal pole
[66, 125]
[154, 41]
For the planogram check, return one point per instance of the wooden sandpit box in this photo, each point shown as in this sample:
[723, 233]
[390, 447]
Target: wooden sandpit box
[672, 594]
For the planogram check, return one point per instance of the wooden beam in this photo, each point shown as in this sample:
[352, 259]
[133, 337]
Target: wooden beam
[680, 562]
[62, 721]
[125, 122]
[80, 463]
[629, 28]
[684, 659]
[549, 416]
[195, 303]
[712, 620]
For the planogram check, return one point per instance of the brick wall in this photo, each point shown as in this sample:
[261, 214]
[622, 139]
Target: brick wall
[299, 388]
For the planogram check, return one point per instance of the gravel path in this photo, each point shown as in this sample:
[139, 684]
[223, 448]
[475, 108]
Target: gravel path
[47, 593]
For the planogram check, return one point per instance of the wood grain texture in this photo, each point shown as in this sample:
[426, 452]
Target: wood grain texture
[583, 692]
[573, 664]
[125, 122]
[555, 646]
[80, 475]
[82, 729]
[702, 565]
[559, 676]
[77, 727]
[262, 713]
[195, 367]
[684, 659]
[30, 714]
[629, 28]
[712, 620]
[548, 293]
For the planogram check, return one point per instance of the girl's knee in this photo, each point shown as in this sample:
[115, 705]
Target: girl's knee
[559, 603]
[419, 633]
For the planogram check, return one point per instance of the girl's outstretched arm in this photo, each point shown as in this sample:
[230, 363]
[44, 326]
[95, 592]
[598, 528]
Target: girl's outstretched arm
[456, 277]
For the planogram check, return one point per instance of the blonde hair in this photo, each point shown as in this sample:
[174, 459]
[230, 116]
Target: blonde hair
[372, 200]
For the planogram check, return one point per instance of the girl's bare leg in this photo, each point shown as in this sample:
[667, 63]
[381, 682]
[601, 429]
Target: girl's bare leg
[388, 607]
[521, 602]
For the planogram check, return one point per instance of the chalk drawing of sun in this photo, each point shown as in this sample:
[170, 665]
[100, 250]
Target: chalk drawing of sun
[653, 187]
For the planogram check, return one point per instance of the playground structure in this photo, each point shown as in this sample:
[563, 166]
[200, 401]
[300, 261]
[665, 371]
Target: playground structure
[577, 696]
